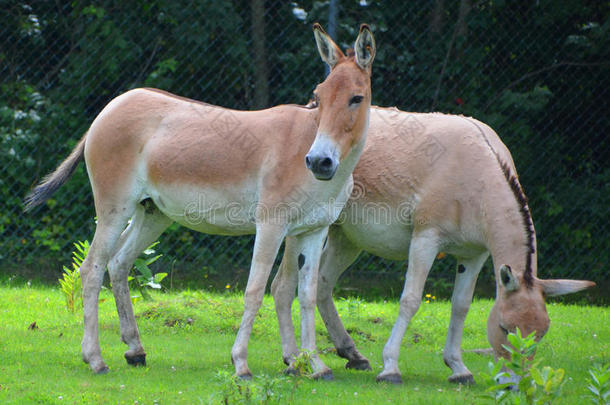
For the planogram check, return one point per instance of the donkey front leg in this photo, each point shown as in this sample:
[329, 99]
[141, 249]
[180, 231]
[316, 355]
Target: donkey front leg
[309, 247]
[465, 281]
[339, 253]
[422, 251]
[283, 289]
[266, 245]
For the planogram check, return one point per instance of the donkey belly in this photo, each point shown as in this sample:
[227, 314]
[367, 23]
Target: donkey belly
[226, 212]
[387, 241]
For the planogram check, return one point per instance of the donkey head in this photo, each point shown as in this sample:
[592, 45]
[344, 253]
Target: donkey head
[343, 100]
[520, 304]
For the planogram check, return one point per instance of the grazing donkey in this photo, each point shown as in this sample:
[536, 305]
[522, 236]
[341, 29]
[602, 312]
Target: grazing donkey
[154, 158]
[427, 183]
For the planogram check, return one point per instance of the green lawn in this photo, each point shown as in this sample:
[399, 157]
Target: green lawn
[188, 337]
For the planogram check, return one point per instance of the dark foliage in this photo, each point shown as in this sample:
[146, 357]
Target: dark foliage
[537, 72]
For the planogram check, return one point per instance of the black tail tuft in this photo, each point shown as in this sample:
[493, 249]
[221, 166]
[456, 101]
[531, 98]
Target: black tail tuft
[43, 191]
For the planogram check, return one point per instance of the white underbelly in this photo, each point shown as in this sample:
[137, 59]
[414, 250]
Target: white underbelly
[378, 230]
[225, 212]
[235, 211]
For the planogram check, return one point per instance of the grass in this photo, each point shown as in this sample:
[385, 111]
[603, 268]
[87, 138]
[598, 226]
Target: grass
[188, 337]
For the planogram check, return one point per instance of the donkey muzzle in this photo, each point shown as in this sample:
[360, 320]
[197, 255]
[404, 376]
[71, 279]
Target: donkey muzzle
[322, 167]
[322, 158]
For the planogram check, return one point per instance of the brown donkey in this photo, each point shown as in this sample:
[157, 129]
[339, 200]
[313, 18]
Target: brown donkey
[154, 158]
[427, 183]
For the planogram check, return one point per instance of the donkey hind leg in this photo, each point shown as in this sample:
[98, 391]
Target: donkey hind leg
[107, 234]
[465, 281]
[422, 251]
[309, 246]
[145, 227]
[336, 258]
[266, 245]
[283, 289]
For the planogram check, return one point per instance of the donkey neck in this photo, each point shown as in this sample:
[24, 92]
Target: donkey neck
[511, 234]
[511, 237]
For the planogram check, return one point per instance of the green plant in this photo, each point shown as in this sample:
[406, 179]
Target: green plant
[353, 305]
[262, 389]
[70, 283]
[142, 277]
[301, 365]
[536, 385]
[599, 384]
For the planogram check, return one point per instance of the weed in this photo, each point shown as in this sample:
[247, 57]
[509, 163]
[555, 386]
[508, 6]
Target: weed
[142, 277]
[301, 367]
[599, 384]
[260, 390]
[353, 305]
[70, 283]
[302, 364]
[535, 385]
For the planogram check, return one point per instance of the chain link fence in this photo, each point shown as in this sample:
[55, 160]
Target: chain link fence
[537, 72]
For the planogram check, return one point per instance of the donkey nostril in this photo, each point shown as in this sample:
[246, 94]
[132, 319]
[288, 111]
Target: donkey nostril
[326, 163]
[307, 161]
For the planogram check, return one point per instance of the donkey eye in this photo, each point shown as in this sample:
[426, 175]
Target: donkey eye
[356, 100]
[504, 329]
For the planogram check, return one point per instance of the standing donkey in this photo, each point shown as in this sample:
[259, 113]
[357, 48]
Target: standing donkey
[427, 183]
[154, 158]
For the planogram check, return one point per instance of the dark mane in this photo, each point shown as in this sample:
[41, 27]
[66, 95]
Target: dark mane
[526, 215]
[528, 224]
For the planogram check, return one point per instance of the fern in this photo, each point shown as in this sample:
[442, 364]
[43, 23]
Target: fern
[70, 283]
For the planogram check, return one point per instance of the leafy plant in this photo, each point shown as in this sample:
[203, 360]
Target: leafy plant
[496, 391]
[142, 277]
[261, 390]
[71, 285]
[536, 385]
[353, 305]
[301, 365]
[599, 385]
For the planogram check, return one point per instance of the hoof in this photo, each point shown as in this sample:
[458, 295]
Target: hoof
[101, 371]
[97, 365]
[326, 375]
[100, 368]
[246, 376]
[289, 359]
[359, 365]
[137, 360]
[394, 378]
[466, 379]
[290, 371]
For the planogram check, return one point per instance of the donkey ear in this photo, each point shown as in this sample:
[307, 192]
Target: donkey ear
[329, 51]
[508, 279]
[562, 287]
[365, 47]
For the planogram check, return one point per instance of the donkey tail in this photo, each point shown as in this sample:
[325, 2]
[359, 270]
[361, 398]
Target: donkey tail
[43, 191]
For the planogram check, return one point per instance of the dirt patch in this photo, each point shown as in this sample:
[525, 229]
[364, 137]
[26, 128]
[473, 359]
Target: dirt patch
[362, 334]
[171, 322]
